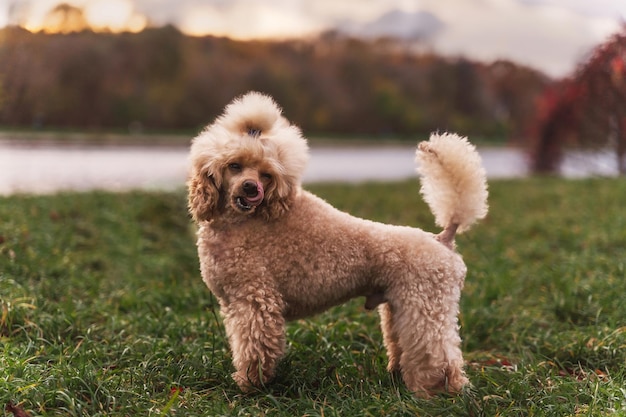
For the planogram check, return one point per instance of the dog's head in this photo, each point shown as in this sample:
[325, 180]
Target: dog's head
[248, 162]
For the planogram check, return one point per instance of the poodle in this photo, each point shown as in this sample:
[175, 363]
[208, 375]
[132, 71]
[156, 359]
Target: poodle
[272, 252]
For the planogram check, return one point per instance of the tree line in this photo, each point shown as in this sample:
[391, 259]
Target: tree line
[160, 79]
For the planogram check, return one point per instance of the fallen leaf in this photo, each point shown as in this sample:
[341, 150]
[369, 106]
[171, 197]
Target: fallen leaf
[16, 410]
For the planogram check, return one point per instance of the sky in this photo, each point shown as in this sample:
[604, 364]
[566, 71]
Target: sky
[550, 35]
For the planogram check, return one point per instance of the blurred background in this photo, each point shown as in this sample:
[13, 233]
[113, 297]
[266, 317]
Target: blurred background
[545, 77]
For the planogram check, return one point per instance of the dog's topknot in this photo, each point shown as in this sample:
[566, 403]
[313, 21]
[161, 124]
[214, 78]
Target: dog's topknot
[253, 114]
[253, 123]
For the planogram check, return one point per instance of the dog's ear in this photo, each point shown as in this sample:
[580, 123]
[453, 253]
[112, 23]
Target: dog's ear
[203, 194]
[279, 197]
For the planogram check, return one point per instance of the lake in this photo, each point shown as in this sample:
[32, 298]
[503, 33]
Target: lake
[47, 168]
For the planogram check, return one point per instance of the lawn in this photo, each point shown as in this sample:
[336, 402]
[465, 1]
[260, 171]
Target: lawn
[103, 312]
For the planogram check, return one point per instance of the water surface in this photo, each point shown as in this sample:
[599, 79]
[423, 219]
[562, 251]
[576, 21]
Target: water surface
[47, 168]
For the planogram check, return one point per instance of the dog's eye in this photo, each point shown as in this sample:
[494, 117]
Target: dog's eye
[266, 175]
[234, 167]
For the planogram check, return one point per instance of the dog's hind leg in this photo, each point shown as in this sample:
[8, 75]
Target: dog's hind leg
[256, 331]
[427, 331]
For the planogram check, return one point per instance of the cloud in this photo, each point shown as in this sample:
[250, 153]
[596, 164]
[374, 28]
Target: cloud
[241, 19]
[4, 13]
[398, 24]
[544, 36]
[613, 9]
[115, 15]
[247, 19]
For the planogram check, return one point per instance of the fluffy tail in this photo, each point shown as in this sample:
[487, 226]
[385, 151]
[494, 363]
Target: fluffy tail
[454, 183]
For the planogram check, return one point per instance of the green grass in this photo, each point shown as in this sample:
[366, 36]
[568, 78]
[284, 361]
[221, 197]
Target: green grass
[103, 312]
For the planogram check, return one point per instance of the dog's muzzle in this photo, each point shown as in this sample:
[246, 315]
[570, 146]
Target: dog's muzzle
[253, 195]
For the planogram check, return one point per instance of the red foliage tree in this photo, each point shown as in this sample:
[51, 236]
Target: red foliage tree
[558, 114]
[587, 110]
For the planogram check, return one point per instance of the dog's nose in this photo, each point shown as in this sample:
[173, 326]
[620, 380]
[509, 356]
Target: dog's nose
[250, 189]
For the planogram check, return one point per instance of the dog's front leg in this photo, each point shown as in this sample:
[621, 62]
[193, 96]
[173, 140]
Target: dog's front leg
[256, 332]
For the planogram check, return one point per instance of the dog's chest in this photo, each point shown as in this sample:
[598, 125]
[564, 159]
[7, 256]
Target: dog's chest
[232, 247]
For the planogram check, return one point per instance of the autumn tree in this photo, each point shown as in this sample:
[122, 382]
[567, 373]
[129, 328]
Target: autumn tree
[558, 114]
[588, 110]
[65, 18]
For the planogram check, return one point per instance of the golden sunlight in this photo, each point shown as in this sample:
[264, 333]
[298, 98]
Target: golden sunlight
[245, 21]
[113, 15]
[97, 15]
[61, 18]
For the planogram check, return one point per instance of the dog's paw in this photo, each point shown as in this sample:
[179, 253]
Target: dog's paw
[243, 382]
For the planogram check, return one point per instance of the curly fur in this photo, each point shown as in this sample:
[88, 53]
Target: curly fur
[272, 252]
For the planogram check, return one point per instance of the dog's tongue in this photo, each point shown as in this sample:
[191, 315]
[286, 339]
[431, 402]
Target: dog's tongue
[257, 199]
